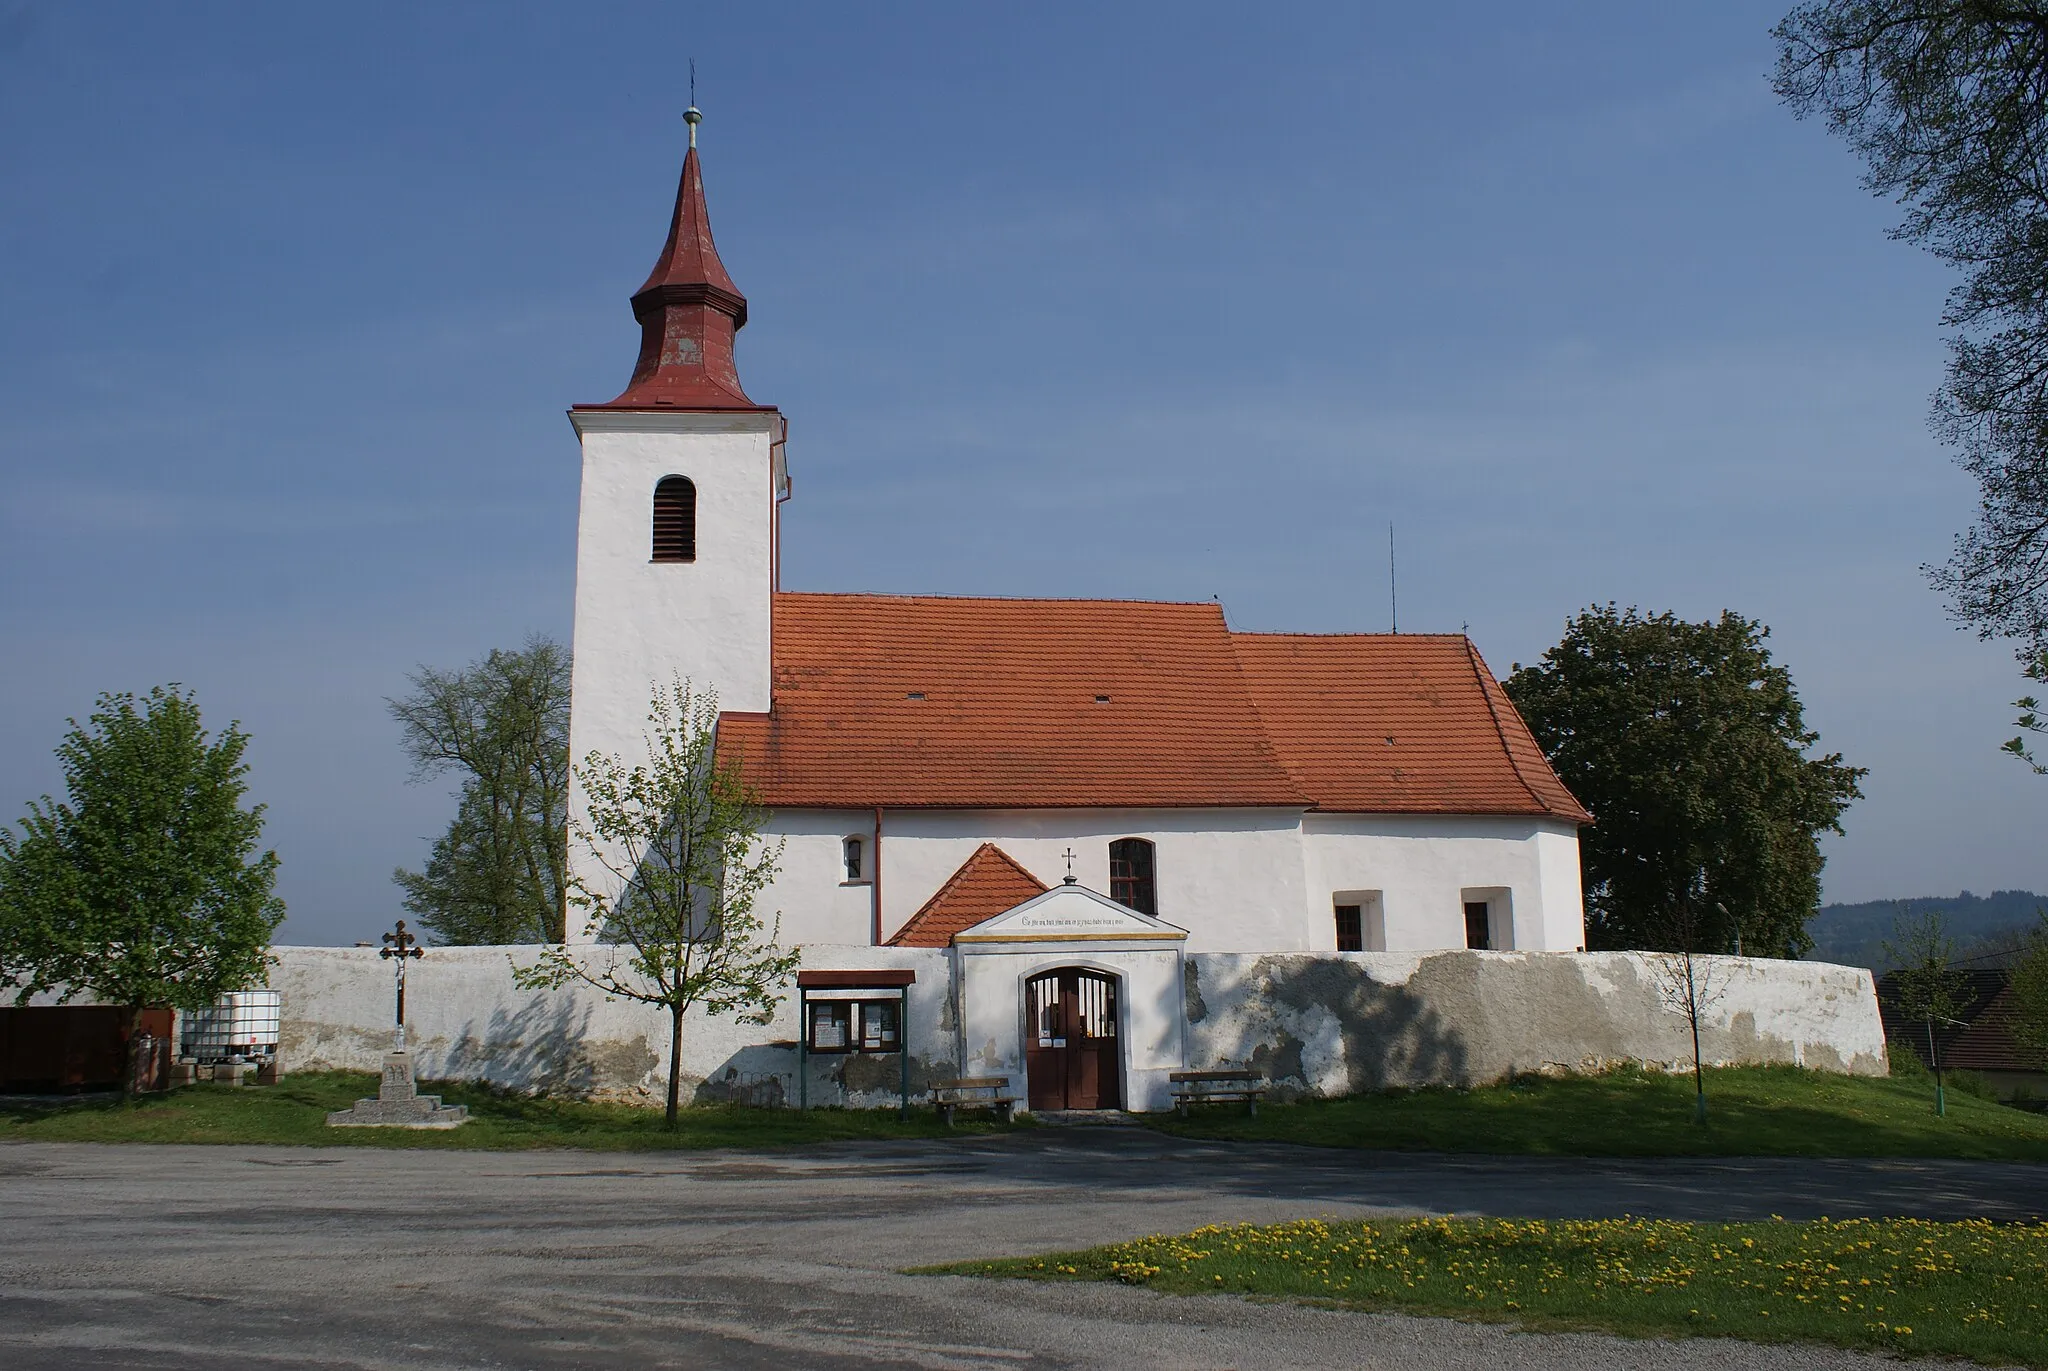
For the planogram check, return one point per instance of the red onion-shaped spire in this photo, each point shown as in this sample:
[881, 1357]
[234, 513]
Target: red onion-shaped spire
[689, 312]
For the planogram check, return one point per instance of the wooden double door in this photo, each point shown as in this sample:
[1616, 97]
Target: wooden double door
[1071, 1054]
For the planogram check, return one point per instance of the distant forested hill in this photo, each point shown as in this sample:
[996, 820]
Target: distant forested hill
[1854, 934]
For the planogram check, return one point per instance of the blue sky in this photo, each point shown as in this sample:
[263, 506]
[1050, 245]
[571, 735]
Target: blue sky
[1164, 301]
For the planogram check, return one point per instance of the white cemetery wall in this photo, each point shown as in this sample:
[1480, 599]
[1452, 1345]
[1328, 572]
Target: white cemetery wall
[467, 1020]
[1320, 1023]
[1339, 1023]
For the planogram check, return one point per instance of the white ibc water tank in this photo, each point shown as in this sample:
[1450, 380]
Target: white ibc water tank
[243, 1023]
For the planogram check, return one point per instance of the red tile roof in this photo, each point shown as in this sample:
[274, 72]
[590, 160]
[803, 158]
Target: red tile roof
[917, 701]
[923, 701]
[1398, 723]
[987, 883]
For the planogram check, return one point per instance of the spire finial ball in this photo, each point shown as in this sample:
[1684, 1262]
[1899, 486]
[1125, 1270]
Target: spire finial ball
[693, 117]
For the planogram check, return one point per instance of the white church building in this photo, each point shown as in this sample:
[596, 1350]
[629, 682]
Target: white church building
[1063, 799]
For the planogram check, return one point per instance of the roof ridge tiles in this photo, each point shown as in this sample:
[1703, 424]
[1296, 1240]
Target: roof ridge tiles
[899, 597]
[1389, 637]
[1481, 675]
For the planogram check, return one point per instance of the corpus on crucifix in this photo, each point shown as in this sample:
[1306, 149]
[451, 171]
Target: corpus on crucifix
[398, 1103]
[399, 948]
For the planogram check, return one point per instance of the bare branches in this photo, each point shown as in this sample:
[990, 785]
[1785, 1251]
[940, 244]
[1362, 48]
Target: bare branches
[1948, 106]
[1690, 983]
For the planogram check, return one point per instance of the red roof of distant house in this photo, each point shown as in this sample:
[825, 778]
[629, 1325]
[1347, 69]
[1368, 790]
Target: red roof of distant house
[987, 883]
[1989, 1042]
[919, 701]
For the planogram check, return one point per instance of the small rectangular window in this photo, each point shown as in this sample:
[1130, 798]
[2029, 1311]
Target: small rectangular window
[1478, 933]
[1489, 917]
[1361, 921]
[853, 853]
[1350, 928]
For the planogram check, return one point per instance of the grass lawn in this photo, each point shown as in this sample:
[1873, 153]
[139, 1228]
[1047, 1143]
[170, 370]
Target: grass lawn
[1973, 1289]
[1751, 1111]
[295, 1111]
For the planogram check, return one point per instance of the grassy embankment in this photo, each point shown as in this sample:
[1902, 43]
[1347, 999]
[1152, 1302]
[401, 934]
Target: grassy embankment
[1972, 1289]
[295, 1112]
[1751, 1111]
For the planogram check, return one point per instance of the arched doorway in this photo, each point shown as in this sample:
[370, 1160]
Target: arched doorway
[1071, 1056]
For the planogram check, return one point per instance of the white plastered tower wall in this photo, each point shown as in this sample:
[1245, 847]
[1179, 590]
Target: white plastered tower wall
[641, 624]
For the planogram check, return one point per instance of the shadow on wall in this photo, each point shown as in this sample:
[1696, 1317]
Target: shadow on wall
[1314, 1025]
[545, 1048]
[762, 1076]
[765, 1075]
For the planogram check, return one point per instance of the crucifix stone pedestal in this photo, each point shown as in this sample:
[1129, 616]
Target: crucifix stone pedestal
[399, 1104]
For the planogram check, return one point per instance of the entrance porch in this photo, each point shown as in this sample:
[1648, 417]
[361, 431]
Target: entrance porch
[1076, 998]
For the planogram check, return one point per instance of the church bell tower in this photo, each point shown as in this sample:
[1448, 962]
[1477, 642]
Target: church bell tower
[676, 530]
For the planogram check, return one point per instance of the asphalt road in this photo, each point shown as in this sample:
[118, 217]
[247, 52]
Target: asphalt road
[261, 1258]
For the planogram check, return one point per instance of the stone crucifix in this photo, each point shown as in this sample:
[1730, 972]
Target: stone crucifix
[398, 1103]
[400, 947]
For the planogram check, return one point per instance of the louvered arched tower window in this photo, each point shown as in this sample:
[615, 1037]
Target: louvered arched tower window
[675, 520]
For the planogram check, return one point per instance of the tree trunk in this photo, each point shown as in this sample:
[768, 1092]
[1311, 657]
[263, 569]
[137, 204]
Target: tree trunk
[132, 1027]
[675, 1061]
[1692, 1013]
[1934, 1058]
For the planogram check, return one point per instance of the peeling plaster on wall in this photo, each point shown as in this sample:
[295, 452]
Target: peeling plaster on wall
[468, 1021]
[1191, 977]
[1337, 1025]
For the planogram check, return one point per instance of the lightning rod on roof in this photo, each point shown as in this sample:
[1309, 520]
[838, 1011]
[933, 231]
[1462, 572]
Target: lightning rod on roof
[693, 116]
[1393, 597]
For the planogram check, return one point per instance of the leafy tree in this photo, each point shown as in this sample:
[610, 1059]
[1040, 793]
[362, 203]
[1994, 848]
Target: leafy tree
[1689, 746]
[2030, 717]
[143, 887]
[1947, 104]
[500, 872]
[2030, 991]
[676, 841]
[1926, 987]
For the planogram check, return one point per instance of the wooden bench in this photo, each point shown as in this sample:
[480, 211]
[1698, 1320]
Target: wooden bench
[973, 1092]
[1201, 1087]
